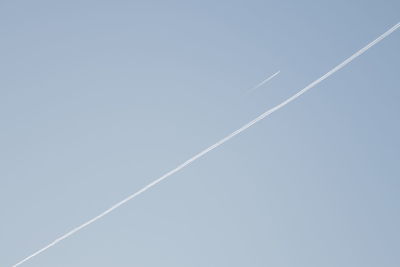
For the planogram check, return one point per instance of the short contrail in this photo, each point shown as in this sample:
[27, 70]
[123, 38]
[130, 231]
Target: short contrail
[202, 153]
[264, 82]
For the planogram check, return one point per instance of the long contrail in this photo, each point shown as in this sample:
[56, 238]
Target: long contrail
[264, 82]
[225, 139]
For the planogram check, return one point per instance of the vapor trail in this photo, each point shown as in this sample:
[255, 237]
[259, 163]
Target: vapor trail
[264, 82]
[205, 151]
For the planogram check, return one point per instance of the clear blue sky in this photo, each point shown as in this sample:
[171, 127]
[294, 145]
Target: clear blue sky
[98, 98]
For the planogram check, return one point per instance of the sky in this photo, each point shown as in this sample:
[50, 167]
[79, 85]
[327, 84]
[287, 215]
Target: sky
[99, 98]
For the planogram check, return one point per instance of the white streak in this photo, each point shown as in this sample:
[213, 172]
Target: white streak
[264, 82]
[202, 153]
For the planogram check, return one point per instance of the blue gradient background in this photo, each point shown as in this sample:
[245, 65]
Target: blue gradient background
[98, 98]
